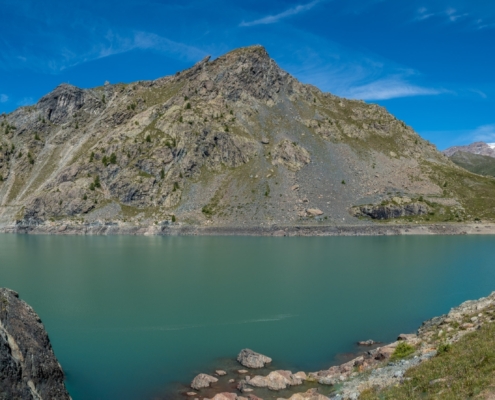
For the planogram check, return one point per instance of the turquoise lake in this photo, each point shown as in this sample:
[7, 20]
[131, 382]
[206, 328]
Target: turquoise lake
[131, 317]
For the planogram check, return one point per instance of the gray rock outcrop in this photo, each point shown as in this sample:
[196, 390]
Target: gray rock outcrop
[389, 211]
[28, 367]
[251, 359]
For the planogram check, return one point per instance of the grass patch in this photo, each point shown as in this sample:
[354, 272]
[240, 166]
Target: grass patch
[402, 350]
[463, 370]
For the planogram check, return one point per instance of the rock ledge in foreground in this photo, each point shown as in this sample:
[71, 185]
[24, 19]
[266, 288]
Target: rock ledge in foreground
[29, 369]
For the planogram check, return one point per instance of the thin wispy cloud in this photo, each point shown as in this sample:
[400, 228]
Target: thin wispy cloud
[352, 74]
[485, 133]
[271, 19]
[26, 101]
[449, 14]
[389, 88]
[4, 98]
[98, 46]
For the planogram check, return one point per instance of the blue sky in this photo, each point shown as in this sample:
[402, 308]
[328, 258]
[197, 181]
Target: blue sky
[431, 63]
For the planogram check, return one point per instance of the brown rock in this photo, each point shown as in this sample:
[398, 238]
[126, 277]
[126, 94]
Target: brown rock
[314, 212]
[203, 381]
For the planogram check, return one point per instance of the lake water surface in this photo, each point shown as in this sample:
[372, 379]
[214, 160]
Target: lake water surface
[130, 316]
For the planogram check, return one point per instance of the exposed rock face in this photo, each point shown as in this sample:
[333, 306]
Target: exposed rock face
[221, 144]
[203, 381]
[290, 155]
[28, 367]
[389, 211]
[251, 359]
[481, 148]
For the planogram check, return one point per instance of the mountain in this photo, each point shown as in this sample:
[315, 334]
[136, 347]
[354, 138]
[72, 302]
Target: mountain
[231, 142]
[480, 148]
[482, 165]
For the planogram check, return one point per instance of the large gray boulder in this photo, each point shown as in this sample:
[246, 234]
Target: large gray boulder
[28, 367]
[251, 359]
[203, 381]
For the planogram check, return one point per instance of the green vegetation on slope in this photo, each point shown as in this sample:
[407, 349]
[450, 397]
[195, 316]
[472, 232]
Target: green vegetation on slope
[482, 165]
[464, 370]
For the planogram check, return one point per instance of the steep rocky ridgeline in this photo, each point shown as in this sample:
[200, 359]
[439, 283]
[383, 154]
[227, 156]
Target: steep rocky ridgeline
[28, 367]
[231, 142]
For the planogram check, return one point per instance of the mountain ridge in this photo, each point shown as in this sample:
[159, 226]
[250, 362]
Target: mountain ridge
[234, 141]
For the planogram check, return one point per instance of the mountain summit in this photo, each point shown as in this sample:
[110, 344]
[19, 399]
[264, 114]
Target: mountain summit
[234, 141]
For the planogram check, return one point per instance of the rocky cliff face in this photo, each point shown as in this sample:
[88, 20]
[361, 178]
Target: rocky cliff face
[28, 367]
[231, 142]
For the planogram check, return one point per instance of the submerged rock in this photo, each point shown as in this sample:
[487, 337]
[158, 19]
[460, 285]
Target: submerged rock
[367, 343]
[28, 367]
[203, 381]
[251, 359]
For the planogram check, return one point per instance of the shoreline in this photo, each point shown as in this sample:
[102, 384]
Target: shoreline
[376, 369]
[114, 228]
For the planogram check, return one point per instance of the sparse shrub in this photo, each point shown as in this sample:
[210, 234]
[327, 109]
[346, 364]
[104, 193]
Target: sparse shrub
[36, 137]
[113, 159]
[188, 106]
[176, 186]
[444, 348]
[173, 218]
[181, 119]
[402, 350]
[85, 197]
[162, 174]
[105, 161]
[148, 138]
[92, 156]
[343, 182]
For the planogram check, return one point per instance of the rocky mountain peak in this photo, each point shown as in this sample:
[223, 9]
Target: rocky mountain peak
[58, 105]
[480, 148]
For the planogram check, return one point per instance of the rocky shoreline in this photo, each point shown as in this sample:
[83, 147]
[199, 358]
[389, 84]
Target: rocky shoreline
[375, 369]
[178, 229]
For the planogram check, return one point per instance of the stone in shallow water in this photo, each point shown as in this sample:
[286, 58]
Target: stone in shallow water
[251, 359]
[276, 380]
[220, 372]
[311, 394]
[224, 396]
[191, 393]
[243, 371]
[203, 381]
